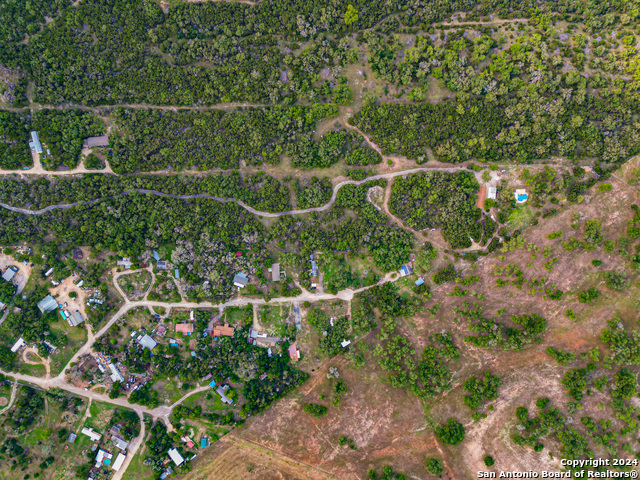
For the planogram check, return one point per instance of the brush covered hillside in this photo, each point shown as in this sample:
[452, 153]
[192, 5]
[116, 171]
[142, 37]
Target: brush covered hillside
[299, 239]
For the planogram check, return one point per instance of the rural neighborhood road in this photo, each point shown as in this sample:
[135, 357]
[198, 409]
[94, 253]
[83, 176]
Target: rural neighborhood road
[336, 188]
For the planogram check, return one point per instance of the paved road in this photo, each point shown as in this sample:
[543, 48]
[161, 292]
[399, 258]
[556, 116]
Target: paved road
[336, 188]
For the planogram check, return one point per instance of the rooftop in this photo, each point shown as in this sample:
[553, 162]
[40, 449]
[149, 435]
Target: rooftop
[223, 331]
[240, 279]
[275, 272]
[147, 342]
[47, 304]
[75, 319]
[8, 274]
[101, 141]
[482, 195]
[184, 328]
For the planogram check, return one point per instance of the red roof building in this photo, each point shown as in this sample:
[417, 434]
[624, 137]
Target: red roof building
[186, 328]
[220, 331]
[294, 353]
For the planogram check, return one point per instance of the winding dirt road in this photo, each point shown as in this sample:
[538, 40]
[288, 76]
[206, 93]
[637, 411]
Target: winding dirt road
[250, 209]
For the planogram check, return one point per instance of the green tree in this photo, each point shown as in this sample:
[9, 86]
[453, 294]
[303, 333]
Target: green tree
[434, 466]
[351, 15]
[452, 433]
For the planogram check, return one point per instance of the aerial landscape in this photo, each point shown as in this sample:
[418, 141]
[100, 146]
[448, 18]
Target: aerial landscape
[306, 240]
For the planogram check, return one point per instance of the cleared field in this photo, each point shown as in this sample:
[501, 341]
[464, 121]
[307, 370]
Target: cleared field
[235, 458]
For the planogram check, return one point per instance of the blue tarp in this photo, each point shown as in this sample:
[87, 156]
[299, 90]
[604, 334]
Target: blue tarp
[419, 281]
[212, 384]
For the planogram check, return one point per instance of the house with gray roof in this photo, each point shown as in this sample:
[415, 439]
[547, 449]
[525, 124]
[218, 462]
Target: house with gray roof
[35, 144]
[99, 141]
[75, 319]
[222, 390]
[275, 272]
[8, 274]
[47, 304]
[147, 342]
[240, 280]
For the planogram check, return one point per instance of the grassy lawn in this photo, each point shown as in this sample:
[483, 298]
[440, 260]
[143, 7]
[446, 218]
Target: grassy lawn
[521, 217]
[235, 315]
[135, 284]
[138, 470]
[33, 370]
[209, 401]
[101, 414]
[170, 390]
[76, 337]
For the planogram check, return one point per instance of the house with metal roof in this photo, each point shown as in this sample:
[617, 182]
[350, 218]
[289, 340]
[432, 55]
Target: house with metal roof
[492, 193]
[35, 144]
[47, 304]
[91, 434]
[125, 262]
[294, 353]
[222, 390]
[176, 273]
[100, 141]
[175, 456]
[75, 319]
[8, 274]
[405, 270]
[240, 280]
[156, 256]
[116, 376]
[121, 443]
[72, 437]
[119, 462]
[275, 272]
[18, 345]
[147, 342]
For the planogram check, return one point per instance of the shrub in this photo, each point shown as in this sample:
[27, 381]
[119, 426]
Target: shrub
[434, 466]
[616, 280]
[588, 295]
[596, 263]
[445, 274]
[489, 461]
[315, 409]
[562, 357]
[452, 433]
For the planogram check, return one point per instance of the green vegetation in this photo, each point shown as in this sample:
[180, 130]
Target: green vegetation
[434, 466]
[439, 200]
[452, 433]
[562, 357]
[485, 388]
[315, 409]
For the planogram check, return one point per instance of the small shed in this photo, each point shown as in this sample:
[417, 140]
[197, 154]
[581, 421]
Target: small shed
[405, 270]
